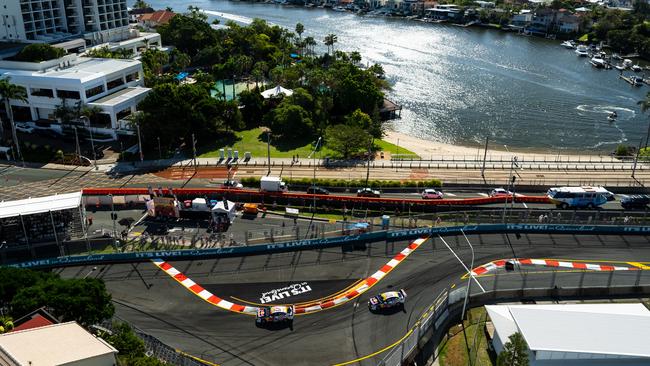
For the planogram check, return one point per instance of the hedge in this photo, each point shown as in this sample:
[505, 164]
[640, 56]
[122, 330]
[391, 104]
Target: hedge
[255, 181]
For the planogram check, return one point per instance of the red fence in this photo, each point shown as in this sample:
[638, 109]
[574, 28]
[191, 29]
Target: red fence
[200, 192]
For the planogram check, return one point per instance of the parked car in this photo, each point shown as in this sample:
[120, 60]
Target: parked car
[637, 201]
[387, 300]
[231, 184]
[317, 190]
[274, 315]
[24, 128]
[368, 192]
[500, 192]
[431, 194]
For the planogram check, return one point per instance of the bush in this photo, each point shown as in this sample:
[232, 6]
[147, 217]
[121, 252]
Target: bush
[622, 150]
[38, 52]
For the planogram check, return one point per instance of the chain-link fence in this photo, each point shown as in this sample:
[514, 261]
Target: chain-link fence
[157, 349]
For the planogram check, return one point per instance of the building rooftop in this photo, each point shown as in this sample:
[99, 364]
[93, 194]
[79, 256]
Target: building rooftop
[52, 345]
[40, 204]
[83, 70]
[158, 16]
[605, 329]
[120, 96]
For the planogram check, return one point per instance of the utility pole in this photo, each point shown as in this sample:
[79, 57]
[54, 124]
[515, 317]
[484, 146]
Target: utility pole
[268, 152]
[140, 143]
[484, 158]
[92, 143]
[647, 136]
[76, 138]
[368, 167]
[636, 159]
[159, 150]
[194, 150]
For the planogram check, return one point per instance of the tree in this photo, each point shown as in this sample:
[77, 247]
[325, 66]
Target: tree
[346, 140]
[329, 41]
[362, 120]
[310, 43]
[13, 279]
[37, 52]
[125, 341]
[9, 91]
[515, 352]
[141, 4]
[83, 300]
[252, 104]
[300, 29]
[290, 120]
[6, 324]
[153, 61]
[180, 60]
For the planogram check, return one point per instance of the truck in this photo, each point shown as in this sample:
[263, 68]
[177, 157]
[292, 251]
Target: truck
[272, 184]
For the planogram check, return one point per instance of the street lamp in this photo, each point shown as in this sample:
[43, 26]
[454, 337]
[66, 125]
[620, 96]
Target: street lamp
[113, 217]
[91, 271]
[469, 286]
[92, 143]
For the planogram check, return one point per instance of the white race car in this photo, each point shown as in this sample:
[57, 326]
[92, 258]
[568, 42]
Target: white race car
[274, 314]
[387, 300]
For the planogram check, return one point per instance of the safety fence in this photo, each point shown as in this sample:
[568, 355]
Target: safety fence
[157, 349]
[346, 241]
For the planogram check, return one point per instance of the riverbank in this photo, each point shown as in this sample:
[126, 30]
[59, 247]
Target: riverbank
[428, 149]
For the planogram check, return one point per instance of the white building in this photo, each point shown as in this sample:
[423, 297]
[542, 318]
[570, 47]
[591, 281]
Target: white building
[115, 86]
[577, 334]
[54, 345]
[51, 20]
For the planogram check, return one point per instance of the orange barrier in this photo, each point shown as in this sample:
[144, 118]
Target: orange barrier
[199, 192]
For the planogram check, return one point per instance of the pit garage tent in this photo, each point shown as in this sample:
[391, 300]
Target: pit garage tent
[224, 209]
[276, 92]
[31, 206]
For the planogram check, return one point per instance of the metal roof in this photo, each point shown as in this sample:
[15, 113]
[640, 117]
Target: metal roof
[604, 329]
[31, 206]
[51, 345]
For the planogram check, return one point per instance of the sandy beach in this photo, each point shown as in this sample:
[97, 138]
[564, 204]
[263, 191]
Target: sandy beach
[428, 149]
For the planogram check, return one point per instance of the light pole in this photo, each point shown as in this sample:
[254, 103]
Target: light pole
[140, 143]
[76, 138]
[469, 286]
[159, 150]
[268, 151]
[511, 182]
[92, 143]
[89, 272]
[113, 217]
[313, 182]
[368, 167]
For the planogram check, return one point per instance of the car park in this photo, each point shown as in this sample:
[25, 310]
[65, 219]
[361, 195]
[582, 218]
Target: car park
[368, 192]
[278, 314]
[317, 190]
[387, 300]
[431, 194]
[500, 192]
[637, 201]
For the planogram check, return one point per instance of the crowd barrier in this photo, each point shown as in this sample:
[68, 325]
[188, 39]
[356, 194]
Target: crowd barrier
[341, 241]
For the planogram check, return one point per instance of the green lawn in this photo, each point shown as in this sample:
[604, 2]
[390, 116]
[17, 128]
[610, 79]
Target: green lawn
[387, 146]
[254, 140]
[454, 350]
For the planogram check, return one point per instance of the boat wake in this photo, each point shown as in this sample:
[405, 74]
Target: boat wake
[623, 113]
[233, 17]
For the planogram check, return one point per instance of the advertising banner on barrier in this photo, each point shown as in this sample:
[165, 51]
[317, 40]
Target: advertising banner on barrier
[305, 244]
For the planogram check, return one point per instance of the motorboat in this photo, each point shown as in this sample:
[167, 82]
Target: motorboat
[598, 62]
[612, 116]
[339, 8]
[568, 45]
[636, 68]
[582, 51]
[632, 79]
[615, 56]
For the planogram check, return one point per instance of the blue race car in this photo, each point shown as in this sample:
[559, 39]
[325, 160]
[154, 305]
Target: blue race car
[274, 314]
[387, 300]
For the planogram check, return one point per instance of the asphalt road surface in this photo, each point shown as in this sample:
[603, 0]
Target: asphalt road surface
[151, 300]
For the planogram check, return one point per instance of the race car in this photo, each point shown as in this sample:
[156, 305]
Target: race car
[274, 314]
[387, 300]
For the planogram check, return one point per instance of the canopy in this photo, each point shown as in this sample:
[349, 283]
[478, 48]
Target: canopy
[226, 208]
[276, 92]
[37, 205]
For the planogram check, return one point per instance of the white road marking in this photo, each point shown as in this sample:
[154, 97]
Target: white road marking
[483, 194]
[450, 194]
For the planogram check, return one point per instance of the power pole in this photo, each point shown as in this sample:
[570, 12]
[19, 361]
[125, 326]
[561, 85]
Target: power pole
[484, 158]
[194, 150]
[268, 151]
[368, 168]
[76, 138]
[140, 144]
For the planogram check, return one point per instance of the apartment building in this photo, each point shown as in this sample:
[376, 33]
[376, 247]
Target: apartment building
[98, 21]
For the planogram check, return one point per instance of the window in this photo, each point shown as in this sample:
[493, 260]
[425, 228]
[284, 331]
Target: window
[49, 93]
[114, 83]
[132, 77]
[123, 113]
[68, 94]
[94, 91]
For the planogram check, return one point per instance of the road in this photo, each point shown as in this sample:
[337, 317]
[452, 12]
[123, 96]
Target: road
[160, 306]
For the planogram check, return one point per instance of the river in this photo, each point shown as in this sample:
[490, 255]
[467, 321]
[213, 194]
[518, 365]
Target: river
[458, 85]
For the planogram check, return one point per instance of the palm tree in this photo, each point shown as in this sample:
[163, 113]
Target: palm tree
[300, 29]
[310, 42]
[329, 40]
[645, 106]
[10, 91]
